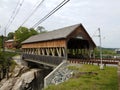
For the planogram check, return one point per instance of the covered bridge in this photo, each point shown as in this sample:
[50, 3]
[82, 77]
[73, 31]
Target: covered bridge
[54, 46]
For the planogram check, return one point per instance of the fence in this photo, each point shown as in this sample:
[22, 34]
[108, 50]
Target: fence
[94, 60]
[45, 59]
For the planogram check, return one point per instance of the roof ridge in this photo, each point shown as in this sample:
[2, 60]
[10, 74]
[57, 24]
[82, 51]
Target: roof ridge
[60, 28]
[51, 35]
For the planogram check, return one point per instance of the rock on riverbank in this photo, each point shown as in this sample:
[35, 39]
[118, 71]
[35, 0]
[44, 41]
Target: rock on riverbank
[22, 78]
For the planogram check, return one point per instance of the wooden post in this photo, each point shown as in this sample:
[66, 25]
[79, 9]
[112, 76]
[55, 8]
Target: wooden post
[28, 51]
[47, 51]
[43, 51]
[63, 51]
[58, 51]
[38, 51]
[35, 51]
[31, 51]
[52, 51]
[118, 75]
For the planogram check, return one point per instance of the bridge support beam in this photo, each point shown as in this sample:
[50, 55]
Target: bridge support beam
[47, 51]
[53, 51]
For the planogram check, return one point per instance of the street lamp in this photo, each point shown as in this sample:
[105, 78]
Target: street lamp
[101, 63]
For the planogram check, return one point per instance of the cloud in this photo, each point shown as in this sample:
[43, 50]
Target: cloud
[92, 14]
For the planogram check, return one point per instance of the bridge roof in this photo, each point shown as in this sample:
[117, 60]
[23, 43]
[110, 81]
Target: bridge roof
[52, 35]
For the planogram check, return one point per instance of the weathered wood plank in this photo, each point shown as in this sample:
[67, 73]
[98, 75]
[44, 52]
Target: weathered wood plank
[47, 44]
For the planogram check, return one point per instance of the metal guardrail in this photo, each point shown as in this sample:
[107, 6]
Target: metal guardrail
[94, 60]
[45, 59]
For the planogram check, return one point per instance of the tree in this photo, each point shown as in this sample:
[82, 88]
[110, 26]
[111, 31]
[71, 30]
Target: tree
[6, 63]
[2, 38]
[3, 64]
[23, 33]
[106, 52]
[32, 32]
[0, 42]
[41, 29]
[10, 35]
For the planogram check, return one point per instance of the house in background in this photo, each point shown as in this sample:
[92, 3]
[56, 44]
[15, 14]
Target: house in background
[117, 51]
[9, 44]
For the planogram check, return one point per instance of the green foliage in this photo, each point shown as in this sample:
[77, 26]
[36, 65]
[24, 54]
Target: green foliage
[5, 58]
[106, 79]
[107, 53]
[6, 63]
[32, 32]
[22, 34]
[0, 41]
[41, 29]
[10, 35]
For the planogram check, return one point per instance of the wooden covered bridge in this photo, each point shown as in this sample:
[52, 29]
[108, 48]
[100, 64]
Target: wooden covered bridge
[51, 48]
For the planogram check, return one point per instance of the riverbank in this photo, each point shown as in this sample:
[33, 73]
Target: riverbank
[90, 77]
[23, 77]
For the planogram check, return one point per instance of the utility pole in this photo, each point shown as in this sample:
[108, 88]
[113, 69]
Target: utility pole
[3, 48]
[5, 32]
[101, 63]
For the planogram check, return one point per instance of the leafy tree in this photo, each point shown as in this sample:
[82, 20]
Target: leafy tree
[6, 63]
[41, 29]
[3, 63]
[0, 41]
[106, 53]
[22, 34]
[10, 35]
[32, 32]
[2, 38]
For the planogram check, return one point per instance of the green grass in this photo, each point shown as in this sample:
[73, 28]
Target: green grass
[105, 79]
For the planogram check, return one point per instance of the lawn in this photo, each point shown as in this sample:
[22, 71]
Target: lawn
[102, 79]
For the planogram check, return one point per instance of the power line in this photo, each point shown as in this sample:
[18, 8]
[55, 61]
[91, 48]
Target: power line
[36, 8]
[15, 12]
[50, 13]
[12, 14]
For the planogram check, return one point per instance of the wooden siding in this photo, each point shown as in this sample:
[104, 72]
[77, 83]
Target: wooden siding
[46, 44]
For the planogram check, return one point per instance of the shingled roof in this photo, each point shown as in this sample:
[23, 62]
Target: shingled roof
[52, 35]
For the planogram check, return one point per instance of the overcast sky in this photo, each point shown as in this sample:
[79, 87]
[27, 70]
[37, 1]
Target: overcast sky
[93, 14]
